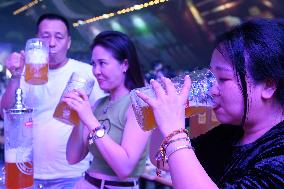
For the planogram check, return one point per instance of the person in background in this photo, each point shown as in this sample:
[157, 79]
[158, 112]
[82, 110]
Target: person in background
[51, 169]
[110, 132]
[159, 70]
[247, 149]
[162, 70]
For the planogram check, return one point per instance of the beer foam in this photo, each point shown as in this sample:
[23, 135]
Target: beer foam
[195, 103]
[15, 155]
[37, 56]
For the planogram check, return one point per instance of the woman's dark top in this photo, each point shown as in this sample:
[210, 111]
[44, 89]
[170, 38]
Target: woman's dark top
[256, 165]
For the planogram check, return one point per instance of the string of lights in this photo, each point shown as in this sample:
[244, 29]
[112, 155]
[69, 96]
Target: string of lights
[26, 7]
[119, 12]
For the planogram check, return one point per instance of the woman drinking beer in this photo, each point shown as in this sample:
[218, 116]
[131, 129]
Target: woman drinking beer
[247, 149]
[110, 132]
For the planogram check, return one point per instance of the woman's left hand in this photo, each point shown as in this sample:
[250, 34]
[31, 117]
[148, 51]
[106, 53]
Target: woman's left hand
[79, 101]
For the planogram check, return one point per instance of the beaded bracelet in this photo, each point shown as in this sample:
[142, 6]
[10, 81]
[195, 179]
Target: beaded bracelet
[161, 155]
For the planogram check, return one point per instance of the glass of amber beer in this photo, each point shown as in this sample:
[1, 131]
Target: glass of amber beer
[63, 112]
[36, 58]
[198, 100]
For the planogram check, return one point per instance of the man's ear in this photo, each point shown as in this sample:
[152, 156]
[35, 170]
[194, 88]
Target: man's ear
[69, 41]
[269, 88]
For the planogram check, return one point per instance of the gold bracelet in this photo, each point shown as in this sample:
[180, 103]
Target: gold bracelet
[178, 148]
[161, 155]
[176, 140]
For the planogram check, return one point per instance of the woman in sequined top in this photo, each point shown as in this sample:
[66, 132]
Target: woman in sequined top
[247, 149]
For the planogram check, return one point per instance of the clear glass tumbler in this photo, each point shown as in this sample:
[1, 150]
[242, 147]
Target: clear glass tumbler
[198, 100]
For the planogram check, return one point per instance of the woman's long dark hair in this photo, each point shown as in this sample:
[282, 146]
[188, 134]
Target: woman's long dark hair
[122, 48]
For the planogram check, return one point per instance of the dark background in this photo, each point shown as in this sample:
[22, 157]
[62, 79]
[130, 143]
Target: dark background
[177, 32]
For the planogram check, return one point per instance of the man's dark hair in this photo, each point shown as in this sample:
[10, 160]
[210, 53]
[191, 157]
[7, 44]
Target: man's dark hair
[52, 16]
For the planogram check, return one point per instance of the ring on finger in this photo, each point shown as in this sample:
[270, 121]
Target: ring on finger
[80, 100]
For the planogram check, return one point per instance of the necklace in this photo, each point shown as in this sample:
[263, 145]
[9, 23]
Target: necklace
[105, 109]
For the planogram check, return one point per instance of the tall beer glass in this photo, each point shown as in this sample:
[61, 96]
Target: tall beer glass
[36, 57]
[18, 146]
[63, 112]
[198, 100]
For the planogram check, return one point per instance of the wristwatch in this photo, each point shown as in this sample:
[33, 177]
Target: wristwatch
[98, 132]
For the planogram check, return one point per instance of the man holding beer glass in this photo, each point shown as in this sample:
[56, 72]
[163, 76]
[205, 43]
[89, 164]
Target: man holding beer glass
[51, 169]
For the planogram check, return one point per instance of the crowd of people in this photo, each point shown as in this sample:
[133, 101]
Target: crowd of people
[109, 149]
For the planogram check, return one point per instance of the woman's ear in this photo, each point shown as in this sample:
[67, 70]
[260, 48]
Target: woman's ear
[269, 88]
[125, 65]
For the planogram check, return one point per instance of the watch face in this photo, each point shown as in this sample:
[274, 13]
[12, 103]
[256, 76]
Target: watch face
[100, 133]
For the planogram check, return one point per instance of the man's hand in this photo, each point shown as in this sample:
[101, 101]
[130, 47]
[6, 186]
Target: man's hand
[15, 63]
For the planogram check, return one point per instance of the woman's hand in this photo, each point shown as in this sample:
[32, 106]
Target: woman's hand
[168, 106]
[79, 101]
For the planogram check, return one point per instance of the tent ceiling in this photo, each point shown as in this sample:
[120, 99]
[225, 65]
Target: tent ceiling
[167, 31]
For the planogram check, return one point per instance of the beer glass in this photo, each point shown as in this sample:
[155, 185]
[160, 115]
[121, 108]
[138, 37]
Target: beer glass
[18, 133]
[63, 112]
[198, 100]
[36, 57]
